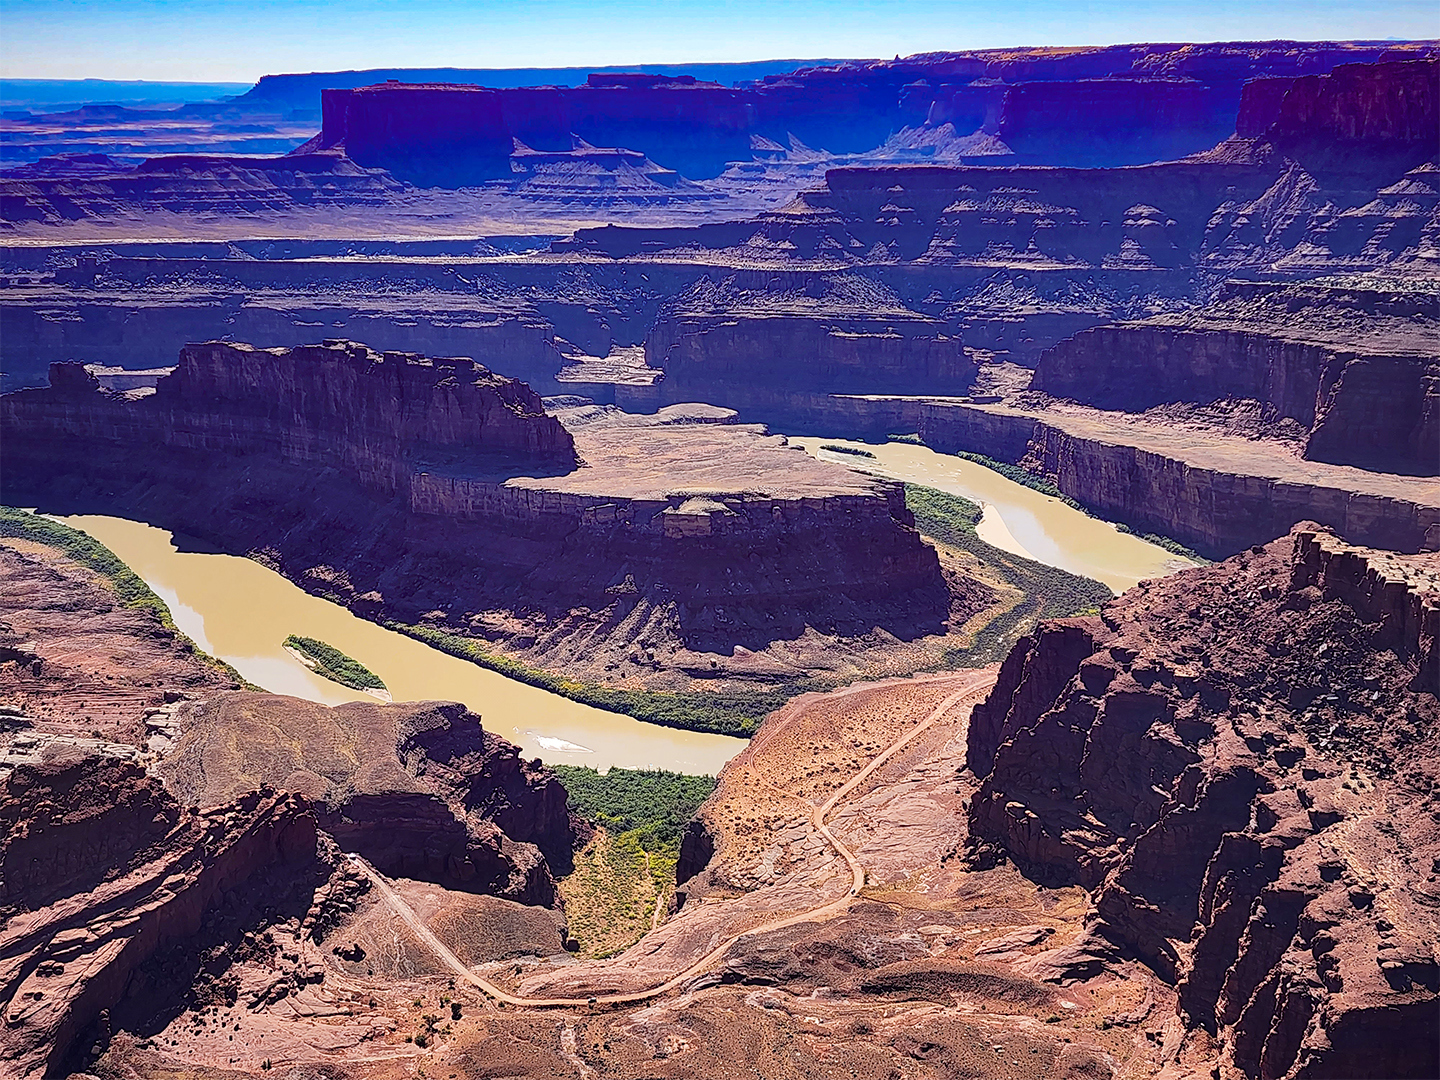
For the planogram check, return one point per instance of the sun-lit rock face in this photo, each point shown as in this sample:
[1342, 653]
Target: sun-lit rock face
[1240, 763]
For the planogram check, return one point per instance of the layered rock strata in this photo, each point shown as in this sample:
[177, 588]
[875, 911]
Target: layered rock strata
[1239, 764]
[1359, 402]
[417, 489]
[1316, 189]
[758, 339]
[420, 790]
[1214, 490]
[1115, 106]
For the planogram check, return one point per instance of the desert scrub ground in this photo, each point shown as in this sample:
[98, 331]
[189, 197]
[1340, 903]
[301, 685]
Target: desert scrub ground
[610, 895]
[629, 865]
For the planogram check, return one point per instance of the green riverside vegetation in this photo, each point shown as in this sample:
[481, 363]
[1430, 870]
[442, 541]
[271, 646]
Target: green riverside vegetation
[652, 802]
[1047, 487]
[130, 589]
[1048, 592]
[836, 448]
[334, 665]
[644, 812]
[714, 711]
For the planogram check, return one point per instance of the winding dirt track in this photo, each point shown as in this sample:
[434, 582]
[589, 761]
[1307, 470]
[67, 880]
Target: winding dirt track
[971, 688]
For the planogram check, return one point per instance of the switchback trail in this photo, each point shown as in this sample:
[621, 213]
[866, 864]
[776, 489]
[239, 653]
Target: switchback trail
[971, 688]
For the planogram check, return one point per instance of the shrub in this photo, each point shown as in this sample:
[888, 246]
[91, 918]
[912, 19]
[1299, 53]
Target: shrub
[335, 665]
[717, 712]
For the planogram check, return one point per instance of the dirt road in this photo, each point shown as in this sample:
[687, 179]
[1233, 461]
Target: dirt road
[971, 688]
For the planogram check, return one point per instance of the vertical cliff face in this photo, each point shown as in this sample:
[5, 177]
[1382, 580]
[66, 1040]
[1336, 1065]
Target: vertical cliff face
[451, 135]
[433, 135]
[333, 403]
[347, 393]
[1388, 109]
[1240, 763]
[103, 869]
[1371, 408]
[756, 339]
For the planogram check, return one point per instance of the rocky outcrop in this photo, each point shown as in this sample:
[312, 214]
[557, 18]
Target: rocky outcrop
[341, 402]
[103, 869]
[1361, 404]
[1388, 109]
[420, 790]
[1239, 763]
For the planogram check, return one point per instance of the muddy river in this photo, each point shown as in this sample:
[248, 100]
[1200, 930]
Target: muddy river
[1016, 518]
[240, 611]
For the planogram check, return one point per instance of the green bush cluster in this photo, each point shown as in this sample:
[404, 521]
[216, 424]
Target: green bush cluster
[334, 664]
[645, 810]
[653, 802]
[1048, 592]
[716, 712]
[838, 449]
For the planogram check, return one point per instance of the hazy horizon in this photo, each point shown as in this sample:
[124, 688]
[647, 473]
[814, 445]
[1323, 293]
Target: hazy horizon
[160, 41]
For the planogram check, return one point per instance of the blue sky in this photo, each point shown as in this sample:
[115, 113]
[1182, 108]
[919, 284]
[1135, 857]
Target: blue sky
[239, 40]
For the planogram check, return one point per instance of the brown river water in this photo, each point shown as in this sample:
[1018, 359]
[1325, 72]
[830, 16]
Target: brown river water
[1016, 518]
[240, 611]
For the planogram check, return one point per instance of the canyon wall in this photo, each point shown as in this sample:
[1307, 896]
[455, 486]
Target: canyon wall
[311, 405]
[146, 325]
[415, 489]
[1363, 406]
[1101, 107]
[449, 135]
[1230, 502]
[1239, 763]
[758, 335]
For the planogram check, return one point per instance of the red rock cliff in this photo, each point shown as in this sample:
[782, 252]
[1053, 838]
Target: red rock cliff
[1240, 764]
